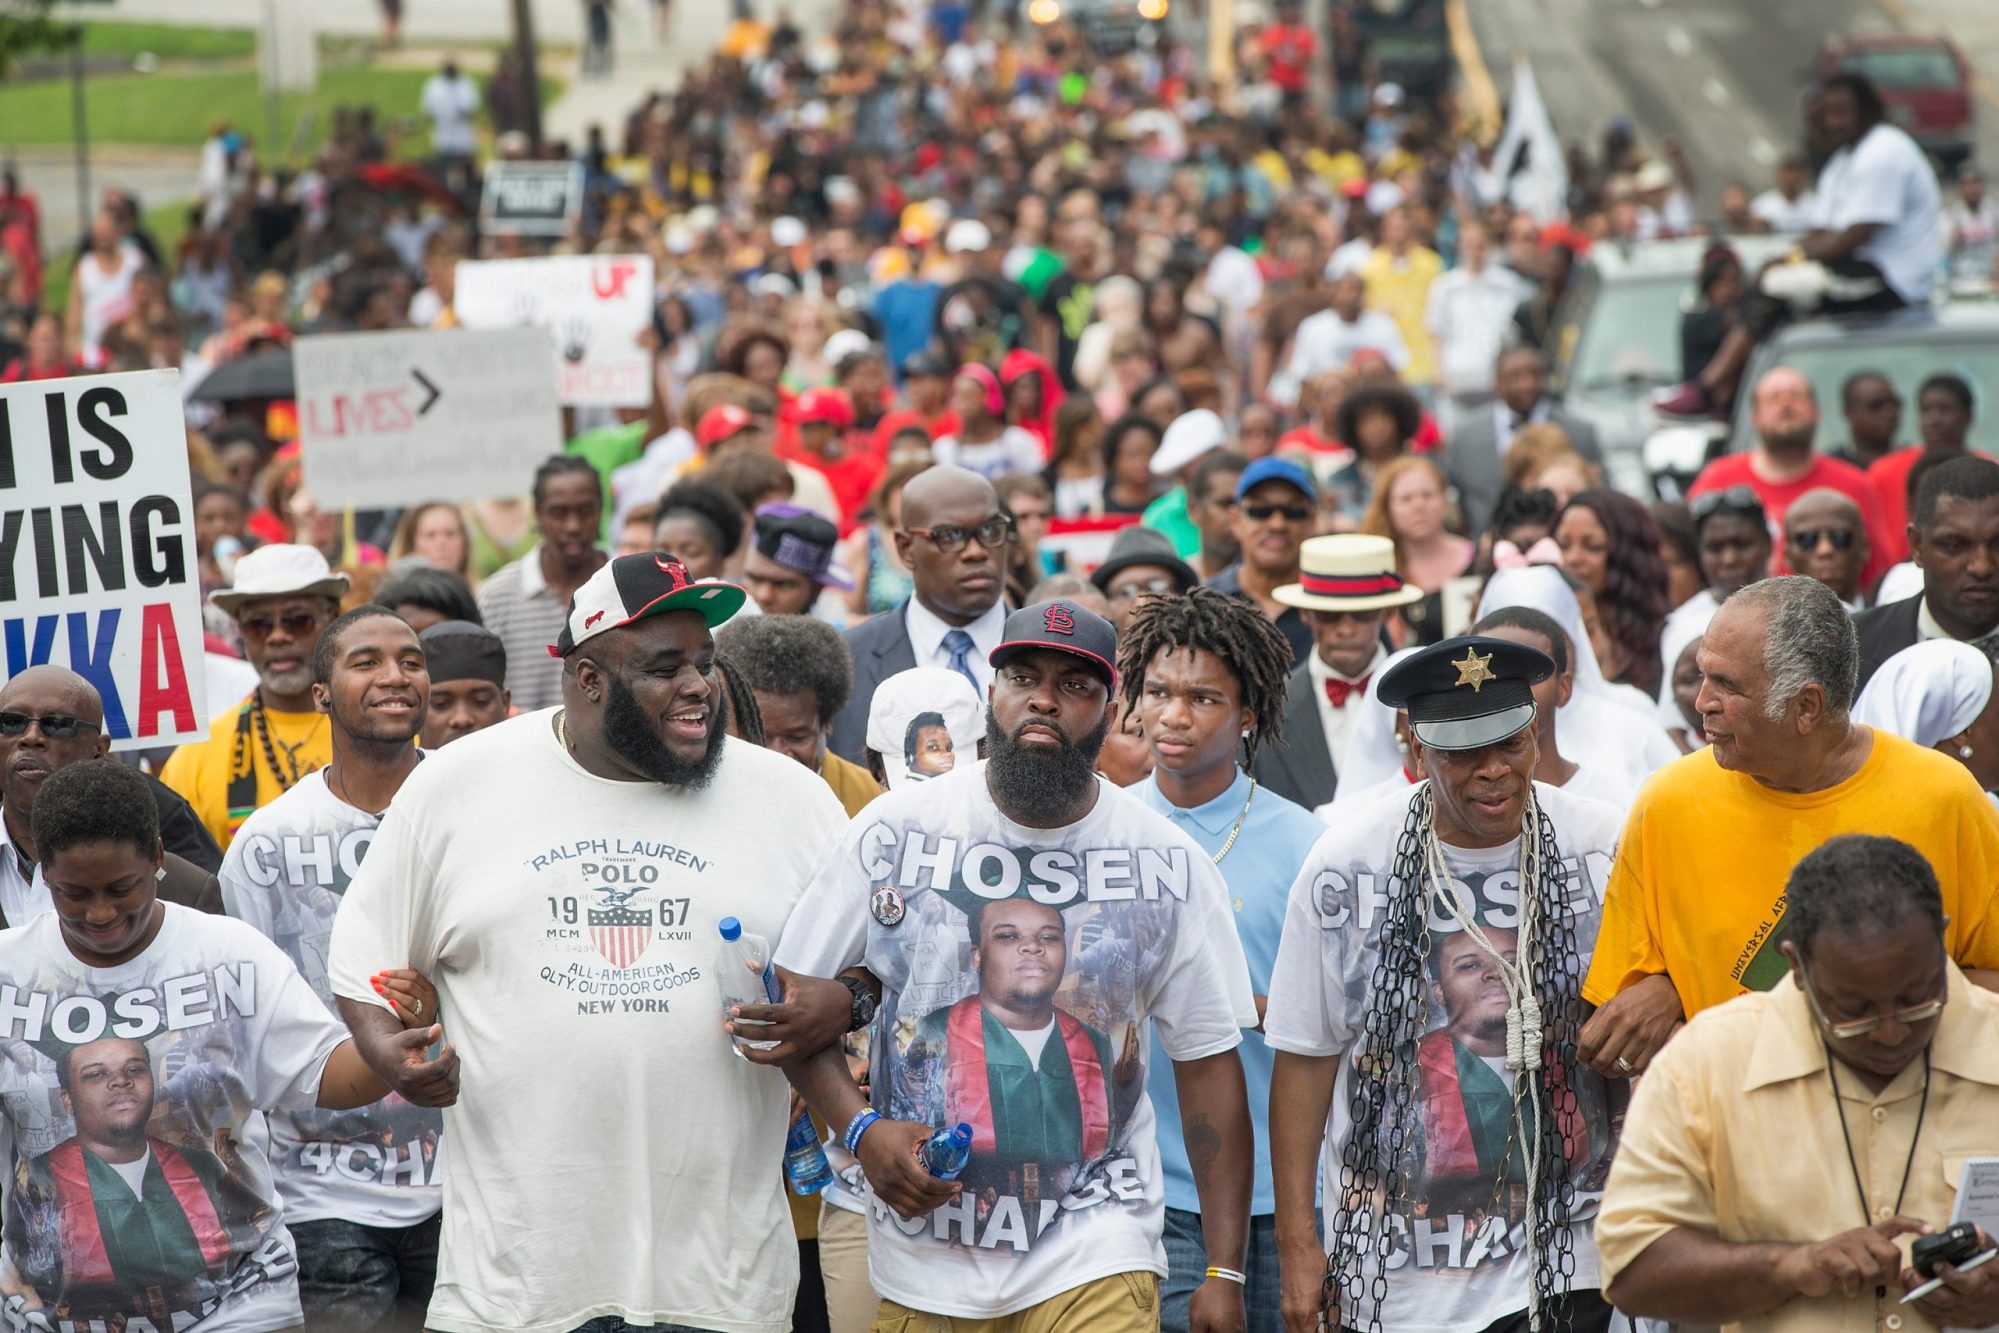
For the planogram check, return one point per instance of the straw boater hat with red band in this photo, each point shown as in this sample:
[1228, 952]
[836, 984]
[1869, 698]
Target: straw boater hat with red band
[1348, 571]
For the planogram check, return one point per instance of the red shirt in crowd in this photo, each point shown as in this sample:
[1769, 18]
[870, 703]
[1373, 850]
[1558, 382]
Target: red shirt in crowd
[1848, 480]
[944, 423]
[1289, 47]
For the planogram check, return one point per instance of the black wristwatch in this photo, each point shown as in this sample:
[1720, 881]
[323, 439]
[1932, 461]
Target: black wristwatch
[864, 1004]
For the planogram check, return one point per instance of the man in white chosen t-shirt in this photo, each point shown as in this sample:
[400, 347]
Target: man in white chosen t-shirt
[1028, 924]
[360, 1187]
[1421, 1004]
[560, 878]
[1878, 202]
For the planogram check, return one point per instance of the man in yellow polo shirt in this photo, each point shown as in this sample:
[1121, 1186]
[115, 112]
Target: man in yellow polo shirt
[1784, 1145]
[1695, 911]
[283, 597]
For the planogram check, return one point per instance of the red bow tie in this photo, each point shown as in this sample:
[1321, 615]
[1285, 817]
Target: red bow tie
[1339, 691]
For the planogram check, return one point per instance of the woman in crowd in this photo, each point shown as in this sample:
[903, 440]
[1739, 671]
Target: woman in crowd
[1033, 395]
[1678, 647]
[1543, 458]
[1129, 444]
[435, 533]
[701, 525]
[1679, 550]
[1938, 693]
[1133, 363]
[1321, 397]
[984, 442]
[1379, 423]
[1161, 399]
[1611, 545]
[756, 354]
[1075, 472]
[42, 356]
[1412, 508]
[881, 581]
[1026, 496]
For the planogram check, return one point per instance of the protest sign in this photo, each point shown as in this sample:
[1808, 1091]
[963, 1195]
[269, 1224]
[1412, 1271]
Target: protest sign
[401, 417]
[530, 198]
[595, 307]
[97, 566]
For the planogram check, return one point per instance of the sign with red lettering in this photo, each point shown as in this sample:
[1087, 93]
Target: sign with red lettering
[405, 416]
[596, 307]
[97, 560]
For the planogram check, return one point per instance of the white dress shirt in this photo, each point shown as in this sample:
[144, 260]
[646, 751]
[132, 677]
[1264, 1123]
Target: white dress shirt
[1469, 315]
[1338, 723]
[22, 898]
[1503, 428]
[926, 638]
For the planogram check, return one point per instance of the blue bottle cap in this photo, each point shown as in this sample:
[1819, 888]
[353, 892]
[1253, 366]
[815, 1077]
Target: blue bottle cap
[961, 1134]
[732, 929]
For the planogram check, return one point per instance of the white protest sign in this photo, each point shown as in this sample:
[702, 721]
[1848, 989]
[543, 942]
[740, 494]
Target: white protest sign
[97, 567]
[595, 306]
[405, 416]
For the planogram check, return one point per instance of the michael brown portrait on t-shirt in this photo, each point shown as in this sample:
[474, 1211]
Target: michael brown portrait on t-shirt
[119, 1220]
[1045, 1091]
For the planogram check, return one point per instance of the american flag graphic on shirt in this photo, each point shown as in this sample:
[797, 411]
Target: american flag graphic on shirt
[621, 934]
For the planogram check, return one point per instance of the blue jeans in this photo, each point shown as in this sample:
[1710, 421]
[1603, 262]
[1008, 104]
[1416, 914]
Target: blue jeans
[357, 1277]
[1187, 1265]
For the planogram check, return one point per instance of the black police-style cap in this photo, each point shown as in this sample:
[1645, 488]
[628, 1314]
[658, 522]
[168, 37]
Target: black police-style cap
[1065, 628]
[461, 650]
[1467, 693]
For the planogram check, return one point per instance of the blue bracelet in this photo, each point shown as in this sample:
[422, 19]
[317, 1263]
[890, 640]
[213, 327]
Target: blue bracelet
[857, 1127]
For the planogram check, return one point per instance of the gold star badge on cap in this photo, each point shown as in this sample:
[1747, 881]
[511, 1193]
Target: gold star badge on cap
[1474, 671]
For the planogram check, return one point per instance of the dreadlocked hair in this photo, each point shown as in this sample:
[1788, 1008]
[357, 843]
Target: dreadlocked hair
[741, 701]
[1234, 630]
[1381, 1159]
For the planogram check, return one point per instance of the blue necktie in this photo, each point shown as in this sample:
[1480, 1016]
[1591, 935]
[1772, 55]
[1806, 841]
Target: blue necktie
[959, 645]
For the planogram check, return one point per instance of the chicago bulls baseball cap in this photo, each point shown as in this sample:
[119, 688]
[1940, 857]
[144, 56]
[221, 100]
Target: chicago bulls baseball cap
[633, 587]
[1065, 627]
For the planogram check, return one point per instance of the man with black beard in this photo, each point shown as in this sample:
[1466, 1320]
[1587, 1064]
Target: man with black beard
[1027, 922]
[560, 878]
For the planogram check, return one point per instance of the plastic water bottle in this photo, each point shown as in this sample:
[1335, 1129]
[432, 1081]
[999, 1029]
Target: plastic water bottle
[947, 1151]
[746, 977]
[744, 973]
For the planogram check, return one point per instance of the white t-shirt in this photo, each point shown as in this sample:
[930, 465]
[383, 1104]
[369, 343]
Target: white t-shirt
[1326, 342]
[1471, 1266]
[1014, 450]
[1785, 216]
[610, 1154]
[225, 1027]
[285, 874]
[1134, 927]
[451, 104]
[1885, 179]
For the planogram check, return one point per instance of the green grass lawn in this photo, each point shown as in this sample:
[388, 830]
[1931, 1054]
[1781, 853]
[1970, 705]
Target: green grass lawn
[168, 41]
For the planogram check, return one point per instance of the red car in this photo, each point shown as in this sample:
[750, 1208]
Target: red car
[1924, 81]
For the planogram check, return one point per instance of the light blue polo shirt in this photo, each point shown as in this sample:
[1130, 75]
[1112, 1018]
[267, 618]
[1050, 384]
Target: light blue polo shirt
[1276, 838]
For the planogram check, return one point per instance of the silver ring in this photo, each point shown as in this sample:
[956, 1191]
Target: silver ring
[1623, 1065]
[416, 1007]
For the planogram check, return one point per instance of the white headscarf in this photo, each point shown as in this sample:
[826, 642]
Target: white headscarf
[1603, 726]
[1374, 753]
[1686, 625]
[1928, 692]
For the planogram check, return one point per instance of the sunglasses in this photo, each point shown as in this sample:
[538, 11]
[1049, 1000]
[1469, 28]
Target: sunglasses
[1124, 592]
[1860, 1027]
[55, 726]
[992, 534]
[1808, 539]
[1263, 513]
[1736, 499]
[298, 624]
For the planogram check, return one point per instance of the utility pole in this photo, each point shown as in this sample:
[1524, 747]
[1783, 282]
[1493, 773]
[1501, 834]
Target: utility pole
[76, 99]
[524, 47]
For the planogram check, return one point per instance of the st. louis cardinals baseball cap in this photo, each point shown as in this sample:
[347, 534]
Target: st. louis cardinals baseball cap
[1066, 628]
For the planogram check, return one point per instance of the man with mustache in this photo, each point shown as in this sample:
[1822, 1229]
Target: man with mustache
[560, 878]
[1013, 911]
[1429, 964]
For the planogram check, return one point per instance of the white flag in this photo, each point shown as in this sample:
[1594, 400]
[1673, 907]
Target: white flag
[1541, 187]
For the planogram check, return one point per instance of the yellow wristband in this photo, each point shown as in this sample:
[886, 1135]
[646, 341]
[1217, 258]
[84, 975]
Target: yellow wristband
[1230, 1275]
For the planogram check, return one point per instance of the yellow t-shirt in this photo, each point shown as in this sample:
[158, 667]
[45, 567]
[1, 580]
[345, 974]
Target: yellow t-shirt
[1401, 289]
[204, 772]
[1697, 891]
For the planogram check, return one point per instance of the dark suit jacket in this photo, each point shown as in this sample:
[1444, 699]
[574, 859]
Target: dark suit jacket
[1885, 631]
[1301, 768]
[880, 646]
[1472, 462]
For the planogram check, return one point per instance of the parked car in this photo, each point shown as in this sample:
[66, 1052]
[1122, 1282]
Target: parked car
[1925, 83]
[1907, 346]
[1616, 340]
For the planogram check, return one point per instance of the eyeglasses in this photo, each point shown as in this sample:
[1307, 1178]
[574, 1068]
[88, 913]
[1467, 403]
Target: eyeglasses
[1736, 499]
[298, 624]
[995, 532]
[1263, 513]
[55, 726]
[1860, 1027]
[1124, 592]
[1808, 539]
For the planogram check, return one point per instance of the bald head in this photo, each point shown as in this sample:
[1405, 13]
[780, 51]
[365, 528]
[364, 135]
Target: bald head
[52, 699]
[958, 577]
[1826, 537]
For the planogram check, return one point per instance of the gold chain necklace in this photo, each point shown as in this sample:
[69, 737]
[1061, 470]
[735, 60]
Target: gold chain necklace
[1238, 822]
[562, 729]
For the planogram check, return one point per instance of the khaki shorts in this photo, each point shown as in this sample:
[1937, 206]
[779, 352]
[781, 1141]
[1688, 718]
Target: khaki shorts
[1120, 1303]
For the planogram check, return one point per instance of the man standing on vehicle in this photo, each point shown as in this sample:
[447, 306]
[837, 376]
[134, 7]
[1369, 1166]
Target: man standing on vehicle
[1878, 228]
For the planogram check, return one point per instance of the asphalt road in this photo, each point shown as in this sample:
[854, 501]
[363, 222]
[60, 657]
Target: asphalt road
[1722, 75]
